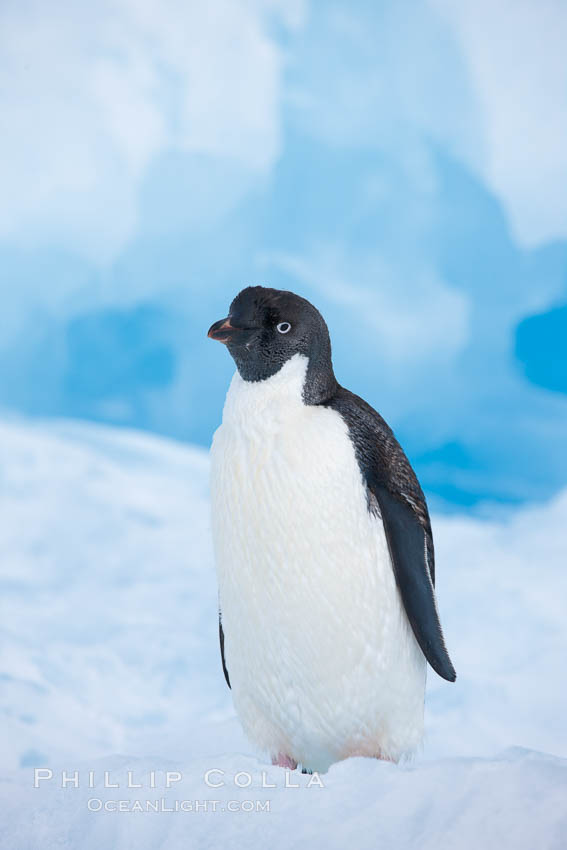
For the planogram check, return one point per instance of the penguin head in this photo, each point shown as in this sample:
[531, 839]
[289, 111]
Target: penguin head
[266, 327]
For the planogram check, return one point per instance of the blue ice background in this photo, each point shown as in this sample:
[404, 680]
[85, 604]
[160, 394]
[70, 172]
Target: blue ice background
[357, 188]
[404, 165]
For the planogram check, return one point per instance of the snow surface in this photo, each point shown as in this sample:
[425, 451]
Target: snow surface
[110, 662]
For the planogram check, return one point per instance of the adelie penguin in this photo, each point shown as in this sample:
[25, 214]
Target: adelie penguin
[323, 550]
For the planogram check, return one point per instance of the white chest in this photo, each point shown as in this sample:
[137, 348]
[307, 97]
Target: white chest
[289, 503]
[306, 588]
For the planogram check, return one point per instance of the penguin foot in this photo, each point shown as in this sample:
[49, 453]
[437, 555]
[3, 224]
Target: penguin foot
[282, 760]
[386, 758]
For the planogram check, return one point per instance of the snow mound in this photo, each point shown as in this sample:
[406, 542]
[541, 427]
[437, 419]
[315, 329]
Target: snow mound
[515, 801]
[109, 646]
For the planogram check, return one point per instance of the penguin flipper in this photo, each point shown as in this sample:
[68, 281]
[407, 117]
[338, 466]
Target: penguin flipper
[221, 641]
[410, 544]
[394, 495]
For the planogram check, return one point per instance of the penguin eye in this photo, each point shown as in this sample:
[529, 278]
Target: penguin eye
[284, 327]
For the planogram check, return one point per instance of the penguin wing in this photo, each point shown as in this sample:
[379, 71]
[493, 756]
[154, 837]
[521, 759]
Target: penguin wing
[221, 641]
[394, 495]
[408, 545]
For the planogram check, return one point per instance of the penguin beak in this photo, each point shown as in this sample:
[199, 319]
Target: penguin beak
[221, 330]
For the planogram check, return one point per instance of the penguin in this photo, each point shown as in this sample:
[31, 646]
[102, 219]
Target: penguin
[323, 550]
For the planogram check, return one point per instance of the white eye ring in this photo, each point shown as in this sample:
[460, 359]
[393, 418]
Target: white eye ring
[284, 327]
